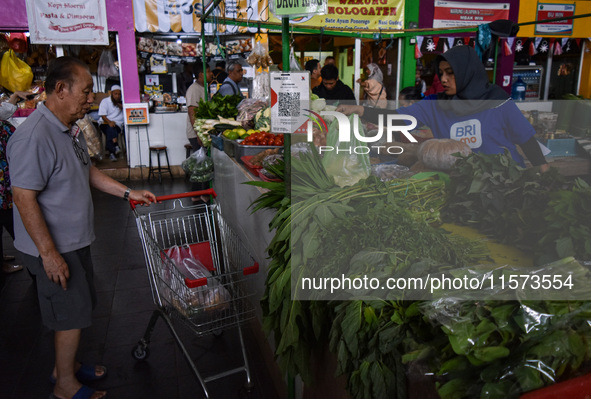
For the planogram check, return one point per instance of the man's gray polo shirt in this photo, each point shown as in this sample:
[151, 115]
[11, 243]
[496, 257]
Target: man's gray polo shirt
[41, 157]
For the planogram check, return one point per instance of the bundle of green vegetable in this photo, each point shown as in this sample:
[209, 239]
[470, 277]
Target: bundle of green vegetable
[202, 128]
[321, 212]
[262, 119]
[467, 349]
[224, 106]
[500, 349]
[345, 166]
[529, 210]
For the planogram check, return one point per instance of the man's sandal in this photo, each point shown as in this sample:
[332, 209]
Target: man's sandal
[86, 374]
[83, 393]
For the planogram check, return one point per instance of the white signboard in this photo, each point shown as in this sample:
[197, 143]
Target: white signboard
[68, 22]
[290, 101]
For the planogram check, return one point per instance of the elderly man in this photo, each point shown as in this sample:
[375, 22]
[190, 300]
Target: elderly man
[111, 113]
[51, 178]
[230, 84]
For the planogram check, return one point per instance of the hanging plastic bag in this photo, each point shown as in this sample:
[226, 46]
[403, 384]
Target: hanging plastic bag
[106, 65]
[342, 163]
[294, 64]
[15, 74]
[94, 141]
[198, 166]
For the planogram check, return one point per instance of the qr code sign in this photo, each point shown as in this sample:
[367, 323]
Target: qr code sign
[289, 104]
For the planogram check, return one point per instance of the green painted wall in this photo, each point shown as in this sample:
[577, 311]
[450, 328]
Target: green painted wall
[408, 62]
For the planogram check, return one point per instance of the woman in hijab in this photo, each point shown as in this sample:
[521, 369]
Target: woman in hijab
[373, 87]
[470, 109]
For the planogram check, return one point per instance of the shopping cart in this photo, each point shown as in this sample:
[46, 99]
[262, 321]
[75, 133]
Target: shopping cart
[213, 301]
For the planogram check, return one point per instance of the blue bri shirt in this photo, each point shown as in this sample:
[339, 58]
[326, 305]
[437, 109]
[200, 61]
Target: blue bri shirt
[488, 131]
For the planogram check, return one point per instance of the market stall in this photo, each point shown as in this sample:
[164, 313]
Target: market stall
[401, 346]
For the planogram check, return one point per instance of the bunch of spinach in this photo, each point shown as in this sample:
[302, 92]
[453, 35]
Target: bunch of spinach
[321, 210]
[224, 106]
[501, 199]
[567, 223]
[500, 349]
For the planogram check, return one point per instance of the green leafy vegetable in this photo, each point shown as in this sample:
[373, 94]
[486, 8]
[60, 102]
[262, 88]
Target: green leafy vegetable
[224, 106]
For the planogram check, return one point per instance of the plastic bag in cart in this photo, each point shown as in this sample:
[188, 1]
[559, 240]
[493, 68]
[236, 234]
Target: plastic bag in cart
[212, 296]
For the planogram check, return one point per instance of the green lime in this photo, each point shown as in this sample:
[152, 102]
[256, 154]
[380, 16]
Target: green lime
[232, 136]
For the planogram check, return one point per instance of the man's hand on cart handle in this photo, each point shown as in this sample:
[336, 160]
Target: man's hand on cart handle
[56, 268]
[144, 196]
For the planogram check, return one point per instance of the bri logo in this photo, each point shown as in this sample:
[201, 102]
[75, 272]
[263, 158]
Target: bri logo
[394, 123]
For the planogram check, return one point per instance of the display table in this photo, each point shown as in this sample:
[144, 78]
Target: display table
[571, 166]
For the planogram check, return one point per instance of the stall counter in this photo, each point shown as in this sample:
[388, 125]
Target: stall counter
[235, 198]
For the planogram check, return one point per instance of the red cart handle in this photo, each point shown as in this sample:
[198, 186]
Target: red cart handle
[209, 191]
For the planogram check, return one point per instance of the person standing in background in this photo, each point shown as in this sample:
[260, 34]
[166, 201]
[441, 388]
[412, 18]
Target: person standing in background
[313, 66]
[330, 60]
[111, 113]
[373, 87]
[230, 85]
[409, 95]
[51, 176]
[195, 93]
[219, 73]
[420, 82]
[184, 79]
[7, 109]
[331, 88]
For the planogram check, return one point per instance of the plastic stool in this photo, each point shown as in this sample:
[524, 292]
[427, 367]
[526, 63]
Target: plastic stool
[158, 170]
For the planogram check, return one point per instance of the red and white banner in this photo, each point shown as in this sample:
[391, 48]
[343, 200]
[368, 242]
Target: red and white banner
[68, 22]
[458, 13]
[552, 11]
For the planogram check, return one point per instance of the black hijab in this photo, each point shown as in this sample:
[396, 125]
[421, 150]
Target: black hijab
[472, 86]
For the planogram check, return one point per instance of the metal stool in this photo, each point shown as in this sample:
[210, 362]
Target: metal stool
[158, 170]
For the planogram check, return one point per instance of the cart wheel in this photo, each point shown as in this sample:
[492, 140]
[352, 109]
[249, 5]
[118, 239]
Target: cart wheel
[140, 352]
[218, 332]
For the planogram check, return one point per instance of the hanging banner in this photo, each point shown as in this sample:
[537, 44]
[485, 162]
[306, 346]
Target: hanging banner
[552, 10]
[68, 22]
[184, 16]
[287, 8]
[458, 13]
[355, 15]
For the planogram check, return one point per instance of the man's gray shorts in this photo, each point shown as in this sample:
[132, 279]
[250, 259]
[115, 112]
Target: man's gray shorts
[66, 309]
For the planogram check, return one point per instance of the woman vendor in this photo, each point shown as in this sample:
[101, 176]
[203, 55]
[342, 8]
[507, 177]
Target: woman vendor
[470, 109]
[373, 86]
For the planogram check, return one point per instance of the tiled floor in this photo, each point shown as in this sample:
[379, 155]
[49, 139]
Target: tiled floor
[124, 308]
